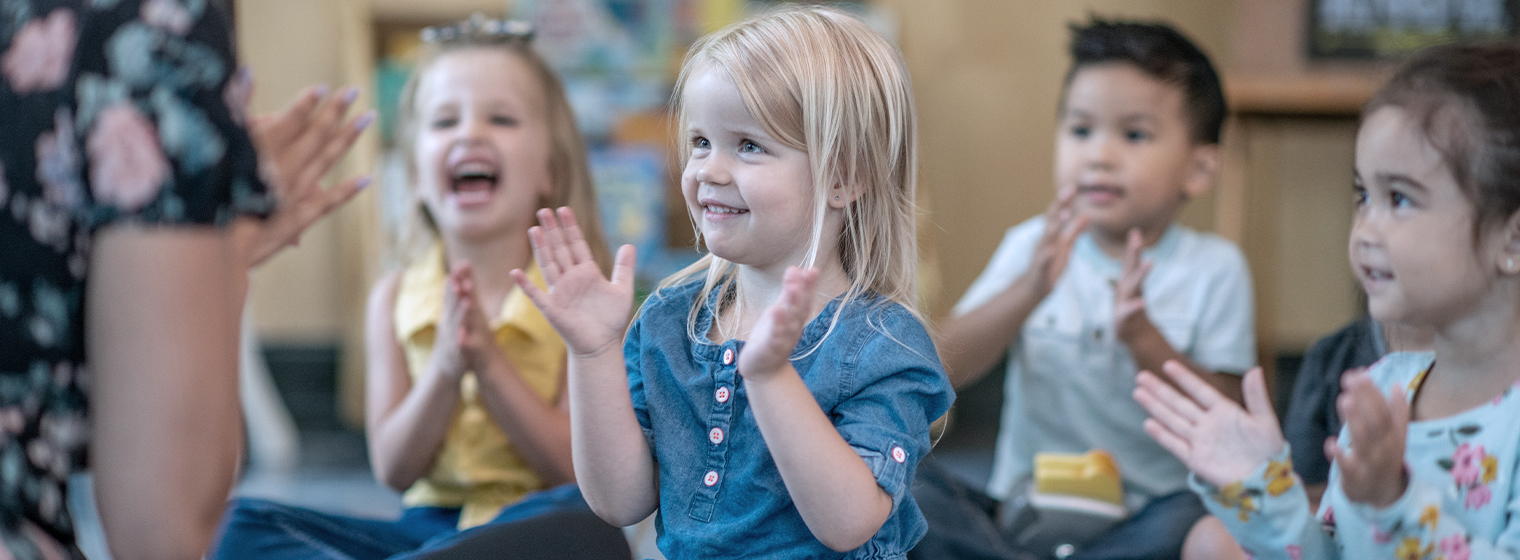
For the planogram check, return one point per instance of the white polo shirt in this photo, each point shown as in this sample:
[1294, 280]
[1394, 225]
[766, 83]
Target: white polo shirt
[1070, 380]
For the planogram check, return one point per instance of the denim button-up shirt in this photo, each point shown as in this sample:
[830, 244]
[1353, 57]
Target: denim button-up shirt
[875, 374]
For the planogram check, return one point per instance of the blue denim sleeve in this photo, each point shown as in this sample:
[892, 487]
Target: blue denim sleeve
[893, 388]
[631, 357]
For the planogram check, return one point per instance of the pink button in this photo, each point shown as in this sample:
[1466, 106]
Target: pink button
[715, 435]
[722, 394]
[711, 479]
[728, 356]
[899, 455]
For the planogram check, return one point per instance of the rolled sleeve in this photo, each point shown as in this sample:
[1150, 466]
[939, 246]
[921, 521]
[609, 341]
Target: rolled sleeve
[901, 390]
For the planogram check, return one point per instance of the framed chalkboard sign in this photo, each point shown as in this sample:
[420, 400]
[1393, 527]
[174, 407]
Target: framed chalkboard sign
[1370, 29]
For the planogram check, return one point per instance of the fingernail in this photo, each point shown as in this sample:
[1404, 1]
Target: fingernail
[363, 182]
[350, 94]
[364, 120]
[322, 90]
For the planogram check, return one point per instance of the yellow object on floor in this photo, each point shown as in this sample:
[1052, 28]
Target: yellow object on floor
[1090, 475]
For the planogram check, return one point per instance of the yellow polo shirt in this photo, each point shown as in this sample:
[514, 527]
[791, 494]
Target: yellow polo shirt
[477, 469]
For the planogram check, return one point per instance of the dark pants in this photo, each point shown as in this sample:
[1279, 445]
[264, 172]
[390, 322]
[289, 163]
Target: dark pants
[962, 524]
[554, 523]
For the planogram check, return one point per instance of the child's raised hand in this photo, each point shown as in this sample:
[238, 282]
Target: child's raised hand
[1129, 302]
[1372, 471]
[1062, 226]
[1219, 441]
[587, 310]
[775, 335]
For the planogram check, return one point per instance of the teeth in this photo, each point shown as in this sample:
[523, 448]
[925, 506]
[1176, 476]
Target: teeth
[474, 170]
[722, 209]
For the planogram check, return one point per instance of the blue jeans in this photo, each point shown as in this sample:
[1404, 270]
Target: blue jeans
[962, 524]
[556, 520]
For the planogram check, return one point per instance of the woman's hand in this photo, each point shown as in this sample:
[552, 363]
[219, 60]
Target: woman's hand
[587, 310]
[775, 335]
[1219, 441]
[297, 147]
[1372, 472]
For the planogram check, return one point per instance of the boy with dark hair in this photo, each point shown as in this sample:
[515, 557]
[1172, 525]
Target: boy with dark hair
[1101, 286]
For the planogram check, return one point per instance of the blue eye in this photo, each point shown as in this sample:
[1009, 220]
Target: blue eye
[1081, 131]
[1136, 135]
[1398, 200]
[750, 147]
[700, 143]
[1358, 196]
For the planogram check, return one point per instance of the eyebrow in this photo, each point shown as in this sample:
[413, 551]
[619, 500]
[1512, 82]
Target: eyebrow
[1401, 179]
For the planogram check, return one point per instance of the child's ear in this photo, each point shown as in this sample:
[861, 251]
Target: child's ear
[841, 196]
[1509, 252]
[1203, 170]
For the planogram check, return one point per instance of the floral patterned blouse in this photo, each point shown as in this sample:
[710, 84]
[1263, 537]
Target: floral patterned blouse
[110, 111]
[1459, 504]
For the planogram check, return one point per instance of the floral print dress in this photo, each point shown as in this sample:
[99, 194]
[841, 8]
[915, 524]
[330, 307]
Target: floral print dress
[1459, 504]
[111, 111]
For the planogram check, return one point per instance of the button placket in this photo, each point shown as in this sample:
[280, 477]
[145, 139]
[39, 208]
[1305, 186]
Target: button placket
[719, 419]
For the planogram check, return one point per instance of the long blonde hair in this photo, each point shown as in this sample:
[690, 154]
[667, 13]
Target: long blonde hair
[819, 80]
[569, 172]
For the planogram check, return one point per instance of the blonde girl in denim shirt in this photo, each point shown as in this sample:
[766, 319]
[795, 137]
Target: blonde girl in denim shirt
[773, 399]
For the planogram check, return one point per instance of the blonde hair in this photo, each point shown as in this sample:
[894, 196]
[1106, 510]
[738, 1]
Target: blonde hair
[819, 80]
[569, 172]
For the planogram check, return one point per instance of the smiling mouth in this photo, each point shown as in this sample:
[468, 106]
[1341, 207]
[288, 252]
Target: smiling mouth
[715, 209]
[473, 183]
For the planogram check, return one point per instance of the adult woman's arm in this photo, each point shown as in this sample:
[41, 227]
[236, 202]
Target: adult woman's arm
[162, 320]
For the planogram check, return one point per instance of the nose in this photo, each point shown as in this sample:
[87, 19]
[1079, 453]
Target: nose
[1099, 153]
[712, 169]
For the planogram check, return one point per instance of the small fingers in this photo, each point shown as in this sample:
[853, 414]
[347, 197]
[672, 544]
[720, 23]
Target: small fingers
[1134, 245]
[557, 247]
[1202, 393]
[623, 266]
[542, 256]
[1177, 405]
[1169, 440]
[1254, 390]
[579, 249]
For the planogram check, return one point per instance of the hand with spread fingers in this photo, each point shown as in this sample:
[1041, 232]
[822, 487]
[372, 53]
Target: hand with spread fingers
[1213, 436]
[1053, 251]
[297, 147]
[769, 348]
[1129, 302]
[588, 310]
[1372, 469]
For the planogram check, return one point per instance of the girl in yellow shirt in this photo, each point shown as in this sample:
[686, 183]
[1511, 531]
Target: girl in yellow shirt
[465, 407]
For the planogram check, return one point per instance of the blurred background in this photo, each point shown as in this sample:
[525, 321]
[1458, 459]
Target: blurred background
[986, 75]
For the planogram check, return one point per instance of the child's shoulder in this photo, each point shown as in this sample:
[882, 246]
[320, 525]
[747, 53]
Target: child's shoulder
[1400, 369]
[1201, 248]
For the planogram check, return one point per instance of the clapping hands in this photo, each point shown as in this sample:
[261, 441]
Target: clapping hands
[1053, 251]
[589, 311]
[1217, 439]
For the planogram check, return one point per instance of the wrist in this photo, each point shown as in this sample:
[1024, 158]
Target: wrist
[1135, 329]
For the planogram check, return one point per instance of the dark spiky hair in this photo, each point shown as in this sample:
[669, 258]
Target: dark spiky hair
[1162, 53]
